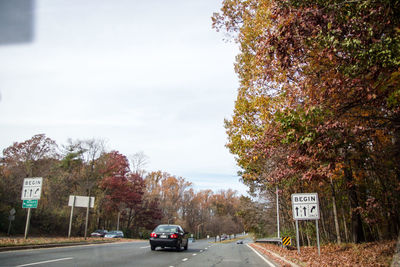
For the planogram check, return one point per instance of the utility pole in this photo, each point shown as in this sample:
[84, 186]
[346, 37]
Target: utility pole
[119, 214]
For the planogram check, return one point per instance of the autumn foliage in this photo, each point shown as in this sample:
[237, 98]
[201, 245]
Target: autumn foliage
[318, 109]
[139, 199]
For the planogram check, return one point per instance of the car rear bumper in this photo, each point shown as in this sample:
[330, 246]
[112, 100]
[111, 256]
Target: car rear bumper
[163, 242]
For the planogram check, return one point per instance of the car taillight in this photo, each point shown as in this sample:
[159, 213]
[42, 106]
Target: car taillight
[153, 235]
[173, 236]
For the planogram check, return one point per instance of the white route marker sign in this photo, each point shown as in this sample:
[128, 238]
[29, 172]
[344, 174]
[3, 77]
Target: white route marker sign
[32, 188]
[305, 206]
[80, 201]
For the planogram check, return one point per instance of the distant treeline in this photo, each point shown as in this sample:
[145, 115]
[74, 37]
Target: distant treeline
[120, 186]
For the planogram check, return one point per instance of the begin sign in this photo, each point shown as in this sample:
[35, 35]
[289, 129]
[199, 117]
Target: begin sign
[305, 206]
[32, 188]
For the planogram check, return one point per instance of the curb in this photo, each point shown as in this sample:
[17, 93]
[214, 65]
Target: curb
[276, 255]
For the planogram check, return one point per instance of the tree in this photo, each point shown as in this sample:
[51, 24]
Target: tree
[138, 161]
[24, 158]
[31, 158]
[35, 157]
[318, 99]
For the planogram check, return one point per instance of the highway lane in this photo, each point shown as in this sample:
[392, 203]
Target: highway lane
[200, 253]
[228, 255]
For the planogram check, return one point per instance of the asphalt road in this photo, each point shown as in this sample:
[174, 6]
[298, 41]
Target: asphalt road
[200, 253]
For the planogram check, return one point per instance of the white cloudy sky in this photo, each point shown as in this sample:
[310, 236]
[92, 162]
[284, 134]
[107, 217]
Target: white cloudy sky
[149, 76]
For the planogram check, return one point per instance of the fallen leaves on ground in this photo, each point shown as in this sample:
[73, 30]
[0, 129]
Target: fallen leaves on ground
[366, 254]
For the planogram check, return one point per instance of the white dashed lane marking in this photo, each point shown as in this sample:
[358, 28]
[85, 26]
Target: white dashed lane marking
[44, 262]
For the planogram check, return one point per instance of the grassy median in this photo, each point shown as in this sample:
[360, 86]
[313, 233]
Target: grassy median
[20, 241]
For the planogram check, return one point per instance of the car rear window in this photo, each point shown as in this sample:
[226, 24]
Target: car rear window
[166, 228]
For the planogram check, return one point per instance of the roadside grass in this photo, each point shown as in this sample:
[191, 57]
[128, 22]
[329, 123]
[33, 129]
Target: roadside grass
[20, 241]
[366, 254]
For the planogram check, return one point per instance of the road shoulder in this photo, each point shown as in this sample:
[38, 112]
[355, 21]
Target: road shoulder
[277, 258]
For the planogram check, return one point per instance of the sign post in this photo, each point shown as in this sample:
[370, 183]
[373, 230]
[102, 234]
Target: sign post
[297, 237]
[11, 218]
[28, 218]
[277, 211]
[31, 191]
[319, 249]
[87, 216]
[72, 214]
[305, 207]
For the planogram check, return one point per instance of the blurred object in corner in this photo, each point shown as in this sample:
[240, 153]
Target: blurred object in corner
[16, 21]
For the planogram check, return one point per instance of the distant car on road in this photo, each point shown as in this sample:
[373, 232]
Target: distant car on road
[192, 239]
[167, 235]
[99, 233]
[239, 242]
[114, 234]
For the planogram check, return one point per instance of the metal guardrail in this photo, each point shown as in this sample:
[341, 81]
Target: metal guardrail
[269, 240]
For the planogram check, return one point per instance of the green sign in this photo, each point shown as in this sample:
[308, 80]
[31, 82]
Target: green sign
[29, 203]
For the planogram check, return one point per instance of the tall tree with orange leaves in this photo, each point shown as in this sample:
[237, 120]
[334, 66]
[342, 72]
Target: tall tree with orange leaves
[318, 102]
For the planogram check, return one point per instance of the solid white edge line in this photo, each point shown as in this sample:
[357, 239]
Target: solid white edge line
[41, 262]
[261, 256]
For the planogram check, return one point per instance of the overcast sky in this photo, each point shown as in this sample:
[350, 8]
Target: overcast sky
[149, 76]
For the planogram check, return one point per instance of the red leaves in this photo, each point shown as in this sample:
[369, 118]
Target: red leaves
[121, 186]
[116, 164]
[38, 147]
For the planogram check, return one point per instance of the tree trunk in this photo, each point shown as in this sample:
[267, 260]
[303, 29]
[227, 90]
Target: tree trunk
[301, 234]
[335, 216]
[130, 218]
[356, 222]
[323, 224]
[379, 232]
[396, 157]
[346, 233]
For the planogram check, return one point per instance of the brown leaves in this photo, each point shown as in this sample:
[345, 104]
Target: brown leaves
[367, 254]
